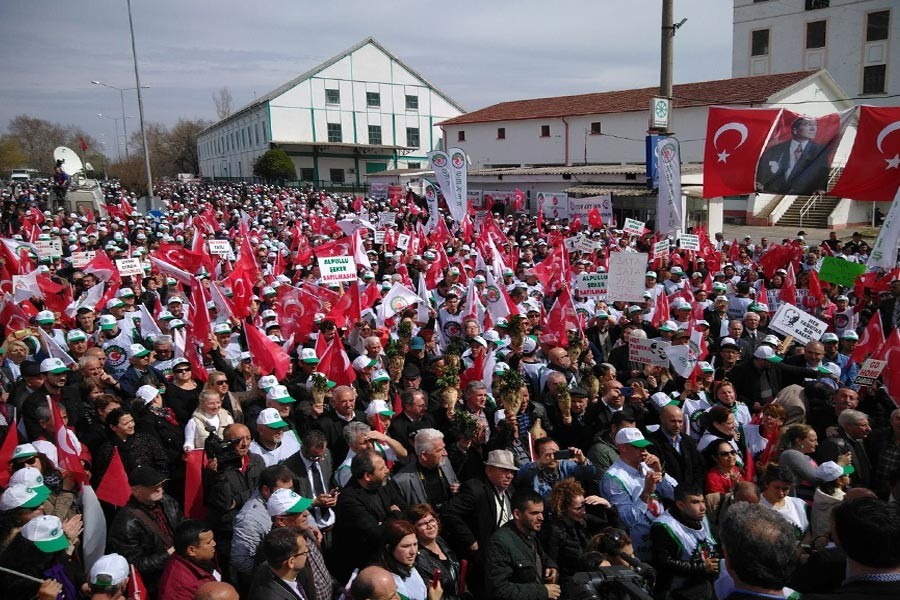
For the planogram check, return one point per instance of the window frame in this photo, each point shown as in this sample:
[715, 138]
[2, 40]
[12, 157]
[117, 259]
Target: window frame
[501, 133]
[418, 137]
[887, 27]
[370, 96]
[768, 48]
[545, 131]
[340, 133]
[824, 24]
[372, 142]
[415, 98]
[336, 91]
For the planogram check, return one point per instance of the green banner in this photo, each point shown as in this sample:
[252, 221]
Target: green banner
[840, 271]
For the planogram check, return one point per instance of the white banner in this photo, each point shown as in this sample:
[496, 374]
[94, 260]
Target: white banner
[592, 284]
[429, 190]
[555, 205]
[379, 236]
[440, 164]
[689, 242]
[870, 371]
[378, 191]
[402, 241]
[458, 202]
[580, 207]
[387, 219]
[219, 247]
[790, 320]
[884, 250]
[634, 227]
[498, 197]
[661, 249]
[626, 276]
[648, 352]
[475, 199]
[81, 259]
[129, 266]
[47, 248]
[669, 210]
[337, 268]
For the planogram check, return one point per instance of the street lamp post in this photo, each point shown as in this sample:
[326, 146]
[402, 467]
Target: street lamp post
[137, 82]
[122, 100]
[116, 121]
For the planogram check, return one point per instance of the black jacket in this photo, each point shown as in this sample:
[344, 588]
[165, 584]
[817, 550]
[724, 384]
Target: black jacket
[666, 553]
[514, 573]
[831, 448]
[130, 536]
[860, 590]
[333, 428]
[470, 516]
[227, 491]
[685, 466]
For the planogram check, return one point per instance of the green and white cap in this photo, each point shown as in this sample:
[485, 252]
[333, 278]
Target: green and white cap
[46, 532]
[633, 436]
[24, 451]
[287, 502]
[280, 394]
[270, 418]
[23, 496]
[29, 477]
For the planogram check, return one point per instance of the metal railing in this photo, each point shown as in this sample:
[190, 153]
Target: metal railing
[810, 203]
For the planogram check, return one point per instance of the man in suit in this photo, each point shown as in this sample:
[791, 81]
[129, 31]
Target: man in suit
[430, 478]
[677, 452]
[853, 429]
[798, 166]
[480, 508]
[313, 468]
[343, 411]
[285, 550]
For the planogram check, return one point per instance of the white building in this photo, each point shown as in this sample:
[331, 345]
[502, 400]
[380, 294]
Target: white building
[359, 112]
[857, 41]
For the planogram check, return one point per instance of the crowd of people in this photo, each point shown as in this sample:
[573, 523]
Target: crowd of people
[455, 417]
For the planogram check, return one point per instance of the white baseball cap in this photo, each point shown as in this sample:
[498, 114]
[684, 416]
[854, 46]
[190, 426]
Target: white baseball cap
[45, 316]
[53, 365]
[137, 351]
[767, 353]
[270, 418]
[308, 355]
[280, 394]
[830, 471]
[284, 501]
[633, 436]
[23, 496]
[379, 407]
[29, 477]
[147, 393]
[266, 382]
[361, 362]
[46, 532]
[109, 570]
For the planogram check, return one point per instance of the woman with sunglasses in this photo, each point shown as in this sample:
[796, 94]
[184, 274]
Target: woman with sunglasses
[434, 552]
[183, 394]
[724, 473]
[218, 383]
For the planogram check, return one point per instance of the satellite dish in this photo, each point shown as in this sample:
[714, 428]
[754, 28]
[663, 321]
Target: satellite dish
[71, 164]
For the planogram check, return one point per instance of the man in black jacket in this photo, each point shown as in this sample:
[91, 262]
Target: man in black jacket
[364, 504]
[853, 429]
[890, 308]
[143, 530]
[286, 552]
[343, 411]
[677, 452]
[685, 552]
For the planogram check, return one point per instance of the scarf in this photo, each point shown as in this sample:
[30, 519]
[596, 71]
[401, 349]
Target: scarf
[166, 413]
[57, 572]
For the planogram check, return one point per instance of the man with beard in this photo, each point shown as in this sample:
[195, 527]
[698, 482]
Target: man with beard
[364, 504]
[684, 550]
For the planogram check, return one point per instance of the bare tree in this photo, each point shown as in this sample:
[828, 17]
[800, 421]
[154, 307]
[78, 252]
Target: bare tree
[222, 99]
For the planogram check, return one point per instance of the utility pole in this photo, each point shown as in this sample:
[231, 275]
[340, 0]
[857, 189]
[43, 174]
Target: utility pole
[666, 51]
[137, 80]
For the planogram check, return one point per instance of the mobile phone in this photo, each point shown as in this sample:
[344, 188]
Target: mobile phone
[627, 391]
[435, 578]
[562, 455]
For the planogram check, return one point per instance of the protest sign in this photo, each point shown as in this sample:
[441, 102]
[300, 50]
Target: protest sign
[387, 219]
[81, 259]
[47, 248]
[337, 268]
[648, 352]
[219, 247]
[402, 241]
[840, 271]
[634, 227]
[571, 242]
[555, 206]
[129, 266]
[805, 328]
[626, 276]
[580, 207]
[689, 242]
[378, 191]
[498, 197]
[379, 236]
[585, 245]
[592, 284]
[870, 371]
[475, 199]
[660, 249]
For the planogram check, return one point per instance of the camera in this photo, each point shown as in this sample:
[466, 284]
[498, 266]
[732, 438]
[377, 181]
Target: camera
[222, 450]
[608, 583]
[563, 455]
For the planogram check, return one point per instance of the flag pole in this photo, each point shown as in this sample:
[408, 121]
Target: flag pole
[22, 575]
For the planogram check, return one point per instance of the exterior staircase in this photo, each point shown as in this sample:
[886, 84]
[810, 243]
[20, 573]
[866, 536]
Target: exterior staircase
[804, 213]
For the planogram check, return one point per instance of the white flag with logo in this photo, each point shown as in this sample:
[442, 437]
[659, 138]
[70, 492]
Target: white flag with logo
[398, 299]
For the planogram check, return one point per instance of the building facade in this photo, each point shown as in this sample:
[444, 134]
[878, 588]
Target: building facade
[857, 41]
[360, 112]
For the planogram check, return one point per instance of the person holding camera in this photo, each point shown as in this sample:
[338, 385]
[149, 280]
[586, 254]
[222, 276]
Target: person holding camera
[554, 465]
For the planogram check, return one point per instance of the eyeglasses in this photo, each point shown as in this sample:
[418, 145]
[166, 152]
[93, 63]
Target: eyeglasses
[304, 553]
[181, 371]
[222, 382]
[429, 523]
[31, 460]
[728, 453]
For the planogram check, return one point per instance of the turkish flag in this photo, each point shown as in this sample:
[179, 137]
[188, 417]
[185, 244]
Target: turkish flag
[873, 168]
[200, 322]
[335, 364]
[554, 271]
[269, 356]
[84, 145]
[595, 219]
[871, 340]
[788, 292]
[114, 487]
[814, 299]
[339, 247]
[13, 317]
[518, 199]
[560, 320]
[296, 310]
[67, 452]
[734, 140]
[194, 506]
[661, 313]
[6, 452]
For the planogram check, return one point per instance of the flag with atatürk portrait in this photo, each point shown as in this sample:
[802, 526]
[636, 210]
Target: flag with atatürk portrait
[735, 138]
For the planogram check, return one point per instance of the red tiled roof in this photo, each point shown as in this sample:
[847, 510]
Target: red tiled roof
[742, 90]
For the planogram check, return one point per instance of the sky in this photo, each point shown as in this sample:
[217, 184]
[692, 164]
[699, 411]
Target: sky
[477, 52]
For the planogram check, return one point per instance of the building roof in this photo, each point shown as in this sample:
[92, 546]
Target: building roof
[741, 90]
[304, 76]
[620, 191]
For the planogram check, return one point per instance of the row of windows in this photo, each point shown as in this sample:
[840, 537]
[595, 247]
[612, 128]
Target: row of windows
[373, 99]
[336, 135]
[809, 4]
[545, 132]
[236, 140]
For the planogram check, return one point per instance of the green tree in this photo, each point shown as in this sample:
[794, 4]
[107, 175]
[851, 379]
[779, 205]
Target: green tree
[275, 165]
[12, 156]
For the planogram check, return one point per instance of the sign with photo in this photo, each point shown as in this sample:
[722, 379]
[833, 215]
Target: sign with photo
[648, 352]
[793, 321]
[81, 259]
[46, 248]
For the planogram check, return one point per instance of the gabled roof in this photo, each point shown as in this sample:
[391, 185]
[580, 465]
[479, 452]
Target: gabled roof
[303, 77]
[742, 90]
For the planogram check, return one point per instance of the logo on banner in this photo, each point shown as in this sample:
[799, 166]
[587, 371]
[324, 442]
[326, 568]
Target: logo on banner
[493, 293]
[452, 329]
[115, 355]
[399, 304]
[458, 160]
[439, 160]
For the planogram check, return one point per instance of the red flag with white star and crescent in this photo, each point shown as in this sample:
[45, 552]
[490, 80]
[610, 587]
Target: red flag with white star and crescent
[734, 140]
[873, 168]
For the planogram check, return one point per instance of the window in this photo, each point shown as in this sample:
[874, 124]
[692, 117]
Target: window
[413, 165]
[332, 96]
[460, 136]
[307, 174]
[412, 102]
[375, 134]
[817, 4]
[877, 25]
[412, 137]
[501, 133]
[815, 34]
[256, 132]
[545, 131]
[759, 43]
[373, 99]
[265, 135]
[873, 79]
[595, 128]
[334, 133]
[336, 175]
